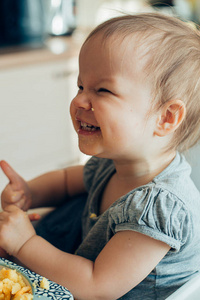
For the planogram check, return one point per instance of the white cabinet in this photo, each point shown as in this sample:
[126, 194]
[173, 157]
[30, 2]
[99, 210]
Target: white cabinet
[36, 133]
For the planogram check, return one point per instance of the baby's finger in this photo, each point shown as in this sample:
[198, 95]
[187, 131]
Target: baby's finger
[21, 202]
[13, 176]
[9, 197]
[11, 208]
[17, 196]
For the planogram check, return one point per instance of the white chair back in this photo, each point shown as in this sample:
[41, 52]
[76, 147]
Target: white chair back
[189, 291]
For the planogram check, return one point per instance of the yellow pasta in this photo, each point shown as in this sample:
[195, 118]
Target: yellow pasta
[13, 286]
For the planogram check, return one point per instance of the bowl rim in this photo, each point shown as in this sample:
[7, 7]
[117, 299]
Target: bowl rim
[26, 278]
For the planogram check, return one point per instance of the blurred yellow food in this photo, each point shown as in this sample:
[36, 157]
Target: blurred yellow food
[44, 284]
[13, 286]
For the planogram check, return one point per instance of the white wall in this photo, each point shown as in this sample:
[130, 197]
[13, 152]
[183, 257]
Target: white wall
[193, 157]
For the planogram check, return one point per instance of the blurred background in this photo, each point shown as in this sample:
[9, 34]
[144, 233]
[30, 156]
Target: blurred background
[39, 45]
[26, 21]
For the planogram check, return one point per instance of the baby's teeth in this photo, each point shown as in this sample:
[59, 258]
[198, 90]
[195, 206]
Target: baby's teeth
[88, 127]
[83, 124]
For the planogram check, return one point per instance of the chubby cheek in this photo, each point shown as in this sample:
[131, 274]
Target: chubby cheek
[124, 128]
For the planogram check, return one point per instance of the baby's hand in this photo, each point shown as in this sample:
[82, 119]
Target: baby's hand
[15, 229]
[17, 191]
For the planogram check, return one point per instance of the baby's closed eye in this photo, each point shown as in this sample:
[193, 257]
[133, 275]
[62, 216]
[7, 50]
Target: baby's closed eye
[104, 90]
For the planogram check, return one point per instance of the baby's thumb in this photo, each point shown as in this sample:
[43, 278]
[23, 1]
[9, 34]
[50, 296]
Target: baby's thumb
[10, 173]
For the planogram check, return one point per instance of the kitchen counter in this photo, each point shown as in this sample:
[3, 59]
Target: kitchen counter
[53, 49]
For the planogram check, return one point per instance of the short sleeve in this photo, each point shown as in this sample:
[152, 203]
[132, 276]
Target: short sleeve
[153, 212]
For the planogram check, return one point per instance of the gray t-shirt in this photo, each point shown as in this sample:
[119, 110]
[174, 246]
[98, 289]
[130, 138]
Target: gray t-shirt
[166, 209]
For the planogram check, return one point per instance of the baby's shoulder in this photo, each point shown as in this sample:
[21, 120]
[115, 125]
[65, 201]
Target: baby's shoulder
[153, 211]
[151, 196]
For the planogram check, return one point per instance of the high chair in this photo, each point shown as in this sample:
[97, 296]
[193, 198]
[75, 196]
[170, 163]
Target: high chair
[189, 291]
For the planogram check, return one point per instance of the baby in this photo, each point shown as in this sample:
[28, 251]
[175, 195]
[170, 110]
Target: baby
[137, 108]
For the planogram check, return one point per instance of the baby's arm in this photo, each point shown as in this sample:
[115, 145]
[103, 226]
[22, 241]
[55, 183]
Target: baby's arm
[49, 189]
[123, 263]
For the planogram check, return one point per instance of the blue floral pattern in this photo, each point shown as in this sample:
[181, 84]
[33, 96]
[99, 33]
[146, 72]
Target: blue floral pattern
[55, 291]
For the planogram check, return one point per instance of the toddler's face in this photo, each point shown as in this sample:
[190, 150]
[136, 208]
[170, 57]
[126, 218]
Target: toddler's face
[110, 109]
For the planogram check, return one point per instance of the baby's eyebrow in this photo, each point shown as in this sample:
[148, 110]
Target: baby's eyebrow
[98, 81]
[107, 79]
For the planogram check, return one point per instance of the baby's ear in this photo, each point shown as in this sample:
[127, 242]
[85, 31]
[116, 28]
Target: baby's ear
[170, 117]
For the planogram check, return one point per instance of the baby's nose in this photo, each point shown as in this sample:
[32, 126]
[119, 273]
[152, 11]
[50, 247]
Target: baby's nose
[82, 101]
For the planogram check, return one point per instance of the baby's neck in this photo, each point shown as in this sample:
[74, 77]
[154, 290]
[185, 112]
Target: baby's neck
[142, 171]
[130, 175]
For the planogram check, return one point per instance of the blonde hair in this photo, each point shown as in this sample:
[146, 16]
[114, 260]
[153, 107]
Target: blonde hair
[172, 64]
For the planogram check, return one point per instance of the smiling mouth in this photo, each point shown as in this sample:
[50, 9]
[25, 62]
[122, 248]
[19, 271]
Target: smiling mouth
[88, 127]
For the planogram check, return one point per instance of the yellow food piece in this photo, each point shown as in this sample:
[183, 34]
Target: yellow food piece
[10, 274]
[15, 288]
[44, 284]
[93, 215]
